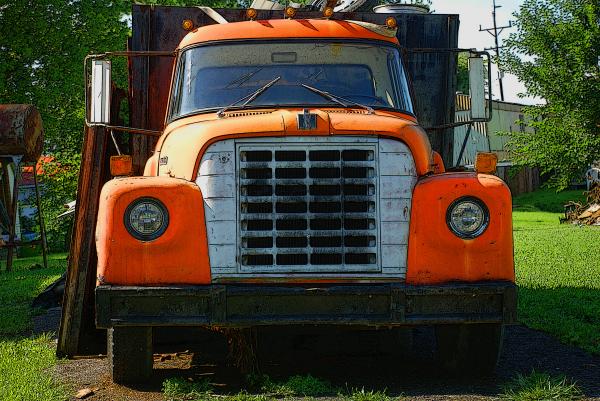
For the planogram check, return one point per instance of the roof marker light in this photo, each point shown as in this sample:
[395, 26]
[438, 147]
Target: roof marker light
[251, 13]
[391, 22]
[187, 24]
[328, 12]
[290, 12]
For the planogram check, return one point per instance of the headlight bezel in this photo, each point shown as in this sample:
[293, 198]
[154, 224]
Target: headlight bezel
[142, 236]
[486, 217]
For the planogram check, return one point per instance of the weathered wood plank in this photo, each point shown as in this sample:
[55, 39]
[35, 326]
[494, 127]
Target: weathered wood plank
[77, 315]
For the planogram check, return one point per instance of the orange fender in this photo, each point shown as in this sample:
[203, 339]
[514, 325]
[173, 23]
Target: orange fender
[179, 256]
[436, 255]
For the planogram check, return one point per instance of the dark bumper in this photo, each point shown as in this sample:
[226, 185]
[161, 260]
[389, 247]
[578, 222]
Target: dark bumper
[252, 305]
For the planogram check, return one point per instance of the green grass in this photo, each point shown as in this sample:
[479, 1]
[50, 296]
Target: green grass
[24, 367]
[260, 388]
[19, 287]
[25, 363]
[367, 395]
[558, 271]
[547, 200]
[540, 386]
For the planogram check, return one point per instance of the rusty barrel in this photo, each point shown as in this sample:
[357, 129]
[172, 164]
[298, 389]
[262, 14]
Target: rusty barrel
[21, 131]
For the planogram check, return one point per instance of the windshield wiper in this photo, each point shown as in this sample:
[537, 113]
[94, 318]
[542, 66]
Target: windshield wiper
[240, 80]
[337, 99]
[249, 98]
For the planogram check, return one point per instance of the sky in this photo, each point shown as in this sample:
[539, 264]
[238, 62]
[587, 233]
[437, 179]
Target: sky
[474, 13]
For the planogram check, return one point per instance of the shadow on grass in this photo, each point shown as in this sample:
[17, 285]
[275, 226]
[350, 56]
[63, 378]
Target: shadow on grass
[570, 314]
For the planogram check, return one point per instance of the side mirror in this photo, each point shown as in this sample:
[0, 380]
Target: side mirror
[100, 92]
[477, 88]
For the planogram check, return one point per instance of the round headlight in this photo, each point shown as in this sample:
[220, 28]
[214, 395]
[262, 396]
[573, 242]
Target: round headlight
[146, 219]
[468, 217]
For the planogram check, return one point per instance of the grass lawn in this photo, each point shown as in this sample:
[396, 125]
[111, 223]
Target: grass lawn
[558, 270]
[25, 361]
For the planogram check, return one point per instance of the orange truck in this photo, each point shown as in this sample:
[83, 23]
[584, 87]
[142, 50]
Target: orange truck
[292, 184]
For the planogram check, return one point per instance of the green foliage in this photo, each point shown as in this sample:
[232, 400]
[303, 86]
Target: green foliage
[42, 47]
[554, 52]
[557, 271]
[24, 365]
[540, 386]
[462, 74]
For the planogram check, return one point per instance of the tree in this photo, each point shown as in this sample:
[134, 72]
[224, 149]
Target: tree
[42, 47]
[555, 52]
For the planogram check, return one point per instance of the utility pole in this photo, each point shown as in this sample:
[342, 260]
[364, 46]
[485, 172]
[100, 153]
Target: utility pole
[496, 31]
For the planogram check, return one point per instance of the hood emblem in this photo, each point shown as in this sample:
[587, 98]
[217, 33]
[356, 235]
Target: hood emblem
[307, 120]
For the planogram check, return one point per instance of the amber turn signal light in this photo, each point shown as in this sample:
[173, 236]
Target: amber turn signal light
[290, 12]
[486, 163]
[391, 22]
[121, 166]
[251, 14]
[328, 12]
[187, 24]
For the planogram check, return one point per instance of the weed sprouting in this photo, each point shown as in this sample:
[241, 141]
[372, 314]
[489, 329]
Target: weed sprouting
[540, 386]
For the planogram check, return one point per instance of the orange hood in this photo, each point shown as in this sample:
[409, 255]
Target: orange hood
[181, 147]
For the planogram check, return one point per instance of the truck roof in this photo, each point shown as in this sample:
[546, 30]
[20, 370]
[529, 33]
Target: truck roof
[289, 28]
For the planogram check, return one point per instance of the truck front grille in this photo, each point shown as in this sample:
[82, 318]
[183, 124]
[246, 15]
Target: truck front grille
[309, 209]
[323, 207]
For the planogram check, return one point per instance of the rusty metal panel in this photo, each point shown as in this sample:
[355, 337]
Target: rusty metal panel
[21, 131]
[159, 29]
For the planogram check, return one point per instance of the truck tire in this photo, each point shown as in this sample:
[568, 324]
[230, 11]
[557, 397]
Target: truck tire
[471, 349]
[130, 354]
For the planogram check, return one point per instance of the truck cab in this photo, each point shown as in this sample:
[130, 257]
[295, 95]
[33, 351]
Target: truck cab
[293, 185]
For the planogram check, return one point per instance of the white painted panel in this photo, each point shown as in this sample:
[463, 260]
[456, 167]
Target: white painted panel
[392, 146]
[222, 146]
[221, 233]
[217, 186]
[219, 209]
[217, 163]
[395, 209]
[394, 233]
[393, 256]
[222, 255]
[396, 186]
[396, 164]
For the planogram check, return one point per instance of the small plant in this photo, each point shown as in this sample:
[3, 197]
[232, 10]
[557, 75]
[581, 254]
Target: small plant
[370, 395]
[309, 386]
[179, 389]
[540, 386]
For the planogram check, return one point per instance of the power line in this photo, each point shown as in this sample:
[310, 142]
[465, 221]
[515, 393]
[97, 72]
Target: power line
[496, 31]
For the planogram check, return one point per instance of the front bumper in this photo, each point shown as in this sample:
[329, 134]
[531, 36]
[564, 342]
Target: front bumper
[255, 305]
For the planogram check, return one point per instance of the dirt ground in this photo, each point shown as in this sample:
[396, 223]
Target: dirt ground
[344, 360]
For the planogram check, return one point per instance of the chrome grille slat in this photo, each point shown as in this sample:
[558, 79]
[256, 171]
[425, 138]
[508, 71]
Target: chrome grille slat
[308, 191]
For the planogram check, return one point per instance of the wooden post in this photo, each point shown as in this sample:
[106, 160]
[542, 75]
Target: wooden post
[77, 323]
[40, 216]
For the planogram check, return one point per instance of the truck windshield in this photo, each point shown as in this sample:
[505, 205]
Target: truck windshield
[215, 76]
